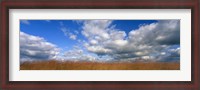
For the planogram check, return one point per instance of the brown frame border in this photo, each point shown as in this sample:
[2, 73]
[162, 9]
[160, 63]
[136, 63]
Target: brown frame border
[99, 4]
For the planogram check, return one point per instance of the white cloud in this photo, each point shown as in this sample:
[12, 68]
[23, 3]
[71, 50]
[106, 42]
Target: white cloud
[72, 36]
[98, 50]
[76, 54]
[164, 32]
[99, 28]
[68, 33]
[93, 42]
[169, 55]
[149, 40]
[25, 22]
[36, 48]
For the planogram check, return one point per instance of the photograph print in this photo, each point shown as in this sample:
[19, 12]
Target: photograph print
[100, 44]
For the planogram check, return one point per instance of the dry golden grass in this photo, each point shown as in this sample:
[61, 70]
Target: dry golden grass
[55, 65]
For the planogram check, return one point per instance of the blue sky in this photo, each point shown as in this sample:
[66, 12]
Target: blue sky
[100, 39]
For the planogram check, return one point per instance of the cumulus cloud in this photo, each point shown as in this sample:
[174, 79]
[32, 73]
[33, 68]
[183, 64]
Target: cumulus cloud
[149, 41]
[164, 32]
[98, 28]
[76, 54]
[25, 22]
[168, 55]
[36, 48]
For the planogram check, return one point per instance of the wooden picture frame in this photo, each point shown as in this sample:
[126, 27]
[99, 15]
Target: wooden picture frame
[100, 4]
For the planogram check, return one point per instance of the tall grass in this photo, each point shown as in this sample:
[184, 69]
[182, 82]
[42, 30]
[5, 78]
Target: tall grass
[57, 65]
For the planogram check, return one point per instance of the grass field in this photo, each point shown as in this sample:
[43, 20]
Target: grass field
[56, 65]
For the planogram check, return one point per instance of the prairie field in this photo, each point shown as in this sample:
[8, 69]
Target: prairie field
[67, 65]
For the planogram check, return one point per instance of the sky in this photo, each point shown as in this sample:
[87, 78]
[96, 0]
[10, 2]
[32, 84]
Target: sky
[100, 40]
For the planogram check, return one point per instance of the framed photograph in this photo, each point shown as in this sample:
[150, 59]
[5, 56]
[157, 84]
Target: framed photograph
[148, 44]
